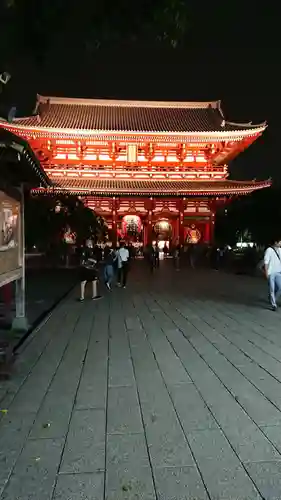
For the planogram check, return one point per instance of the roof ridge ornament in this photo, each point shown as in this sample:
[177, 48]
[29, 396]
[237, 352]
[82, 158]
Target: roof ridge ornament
[43, 108]
[76, 101]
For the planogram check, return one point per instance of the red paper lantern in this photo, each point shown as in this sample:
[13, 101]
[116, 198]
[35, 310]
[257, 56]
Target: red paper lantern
[193, 235]
[131, 225]
[163, 227]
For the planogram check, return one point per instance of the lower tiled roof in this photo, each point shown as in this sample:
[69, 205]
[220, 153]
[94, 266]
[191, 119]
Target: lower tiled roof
[154, 187]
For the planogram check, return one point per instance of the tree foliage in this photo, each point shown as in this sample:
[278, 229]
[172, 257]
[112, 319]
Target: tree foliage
[38, 26]
[258, 215]
[45, 225]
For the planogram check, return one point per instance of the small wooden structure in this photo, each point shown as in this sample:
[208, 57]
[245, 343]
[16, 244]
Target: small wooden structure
[19, 170]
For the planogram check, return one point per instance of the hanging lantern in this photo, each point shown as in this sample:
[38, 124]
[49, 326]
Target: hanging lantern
[193, 235]
[162, 227]
[131, 225]
[58, 207]
[69, 236]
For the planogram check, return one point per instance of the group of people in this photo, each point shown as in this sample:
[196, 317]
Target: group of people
[115, 263]
[152, 253]
[272, 268]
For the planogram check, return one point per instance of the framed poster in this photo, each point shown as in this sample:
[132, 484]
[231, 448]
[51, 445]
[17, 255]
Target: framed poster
[11, 253]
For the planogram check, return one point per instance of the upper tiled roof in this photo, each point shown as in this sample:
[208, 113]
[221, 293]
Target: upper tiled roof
[129, 116]
[157, 187]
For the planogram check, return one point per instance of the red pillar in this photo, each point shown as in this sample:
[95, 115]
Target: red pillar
[207, 237]
[181, 221]
[212, 206]
[114, 222]
[149, 227]
[149, 205]
[144, 233]
[212, 227]
[176, 228]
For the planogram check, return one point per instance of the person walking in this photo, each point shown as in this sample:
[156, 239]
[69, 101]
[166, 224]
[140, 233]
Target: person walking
[109, 260]
[88, 272]
[272, 269]
[123, 264]
[153, 257]
[177, 252]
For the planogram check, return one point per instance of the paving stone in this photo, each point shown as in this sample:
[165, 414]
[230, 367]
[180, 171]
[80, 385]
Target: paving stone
[93, 386]
[267, 477]
[179, 483]
[128, 483]
[123, 411]
[169, 363]
[133, 323]
[79, 487]
[14, 430]
[256, 405]
[35, 471]
[166, 441]
[127, 449]
[269, 386]
[152, 393]
[273, 433]
[250, 444]
[260, 357]
[85, 447]
[211, 445]
[3, 393]
[32, 392]
[191, 409]
[225, 482]
[120, 372]
[53, 418]
[222, 472]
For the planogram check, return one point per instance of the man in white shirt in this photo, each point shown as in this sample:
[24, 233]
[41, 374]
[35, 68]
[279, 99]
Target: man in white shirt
[272, 268]
[123, 256]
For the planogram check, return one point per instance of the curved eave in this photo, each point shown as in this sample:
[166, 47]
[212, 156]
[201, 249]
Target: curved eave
[29, 163]
[227, 192]
[245, 126]
[216, 136]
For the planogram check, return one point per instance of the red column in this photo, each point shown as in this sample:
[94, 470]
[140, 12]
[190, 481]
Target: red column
[114, 222]
[212, 206]
[176, 228]
[149, 207]
[144, 233]
[149, 227]
[212, 227]
[207, 237]
[181, 221]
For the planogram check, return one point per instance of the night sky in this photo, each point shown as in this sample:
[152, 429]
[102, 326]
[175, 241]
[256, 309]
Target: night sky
[229, 52]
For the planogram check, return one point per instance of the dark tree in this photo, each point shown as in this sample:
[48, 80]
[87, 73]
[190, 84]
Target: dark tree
[48, 218]
[258, 215]
[37, 27]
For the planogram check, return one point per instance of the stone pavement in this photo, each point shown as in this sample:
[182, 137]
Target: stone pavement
[168, 390]
[44, 289]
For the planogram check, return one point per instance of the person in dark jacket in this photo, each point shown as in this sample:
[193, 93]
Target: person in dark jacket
[88, 272]
[109, 260]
